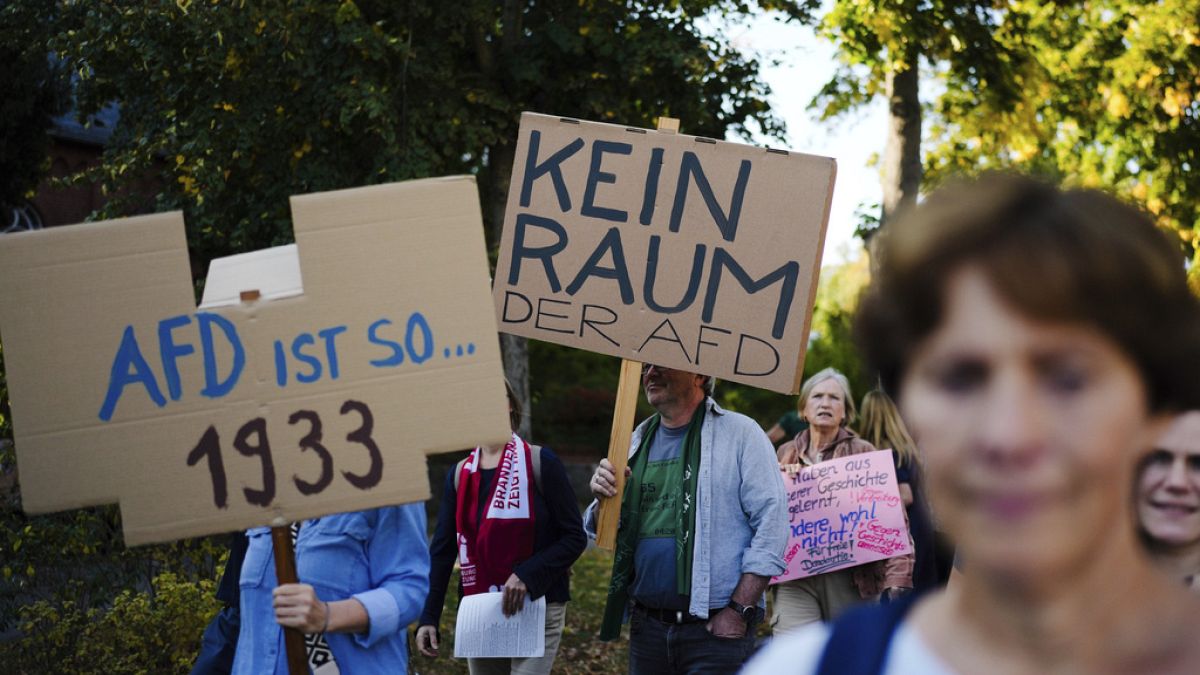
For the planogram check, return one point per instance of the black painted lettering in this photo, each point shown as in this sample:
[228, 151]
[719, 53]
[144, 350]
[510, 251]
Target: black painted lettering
[786, 275]
[726, 221]
[744, 355]
[596, 176]
[210, 447]
[650, 193]
[552, 166]
[701, 341]
[689, 296]
[312, 441]
[257, 427]
[592, 323]
[540, 313]
[520, 251]
[674, 338]
[362, 436]
[505, 317]
[619, 270]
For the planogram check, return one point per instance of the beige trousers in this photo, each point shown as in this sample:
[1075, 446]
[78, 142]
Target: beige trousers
[812, 599]
[556, 616]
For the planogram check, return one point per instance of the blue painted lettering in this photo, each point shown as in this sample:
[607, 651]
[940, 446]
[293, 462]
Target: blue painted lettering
[170, 352]
[397, 356]
[129, 366]
[213, 386]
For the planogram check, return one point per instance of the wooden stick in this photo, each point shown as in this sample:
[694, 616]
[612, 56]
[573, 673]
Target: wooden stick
[622, 426]
[618, 451]
[285, 573]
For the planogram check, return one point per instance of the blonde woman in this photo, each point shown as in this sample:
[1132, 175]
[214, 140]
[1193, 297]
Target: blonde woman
[883, 428]
[828, 407]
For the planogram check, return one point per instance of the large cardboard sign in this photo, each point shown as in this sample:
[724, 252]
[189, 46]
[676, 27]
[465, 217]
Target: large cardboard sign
[657, 247]
[318, 397]
[842, 513]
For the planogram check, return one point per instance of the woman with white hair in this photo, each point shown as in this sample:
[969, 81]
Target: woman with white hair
[828, 407]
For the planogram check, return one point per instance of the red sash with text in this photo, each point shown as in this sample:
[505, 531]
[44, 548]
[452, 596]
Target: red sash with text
[489, 549]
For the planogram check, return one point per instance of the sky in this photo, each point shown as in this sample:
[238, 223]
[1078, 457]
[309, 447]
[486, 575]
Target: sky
[806, 63]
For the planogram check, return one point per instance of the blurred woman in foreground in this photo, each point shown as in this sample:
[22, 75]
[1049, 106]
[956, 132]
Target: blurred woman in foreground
[1168, 499]
[883, 428]
[1036, 338]
[828, 407]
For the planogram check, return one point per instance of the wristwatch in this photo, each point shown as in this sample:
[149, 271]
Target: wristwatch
[751, 614]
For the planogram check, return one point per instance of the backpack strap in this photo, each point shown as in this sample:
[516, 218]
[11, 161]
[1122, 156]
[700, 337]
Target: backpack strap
[859, 640]
[535, 454]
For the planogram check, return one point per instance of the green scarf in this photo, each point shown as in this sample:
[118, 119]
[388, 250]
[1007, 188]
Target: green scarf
[630, 521]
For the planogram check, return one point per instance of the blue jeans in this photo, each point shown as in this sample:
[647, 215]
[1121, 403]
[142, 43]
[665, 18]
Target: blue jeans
[684, 649]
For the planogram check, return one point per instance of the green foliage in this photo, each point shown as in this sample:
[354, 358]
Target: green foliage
[1109, 98]
[155, 631]
[234, 106]
[33, 93]
[79, 557]
[877, 37]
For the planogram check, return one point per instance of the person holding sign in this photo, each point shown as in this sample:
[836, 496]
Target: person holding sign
[1039, 340]
[521, 542]
[703, 529]
[1168, 499]
[363, 578]
[827, 405]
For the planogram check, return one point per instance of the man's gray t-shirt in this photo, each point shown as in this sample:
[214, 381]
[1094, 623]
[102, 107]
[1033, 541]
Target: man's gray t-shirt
[654, 559]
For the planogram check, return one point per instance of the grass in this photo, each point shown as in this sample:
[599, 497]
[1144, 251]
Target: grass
[581, 652]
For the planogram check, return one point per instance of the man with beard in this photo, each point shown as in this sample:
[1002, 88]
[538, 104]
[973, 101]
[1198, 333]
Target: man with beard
[703, 529]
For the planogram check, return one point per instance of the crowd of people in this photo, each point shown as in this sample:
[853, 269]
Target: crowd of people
[1042, 347]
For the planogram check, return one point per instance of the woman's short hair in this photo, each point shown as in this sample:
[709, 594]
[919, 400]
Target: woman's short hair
[1075, 256]
[819, 377]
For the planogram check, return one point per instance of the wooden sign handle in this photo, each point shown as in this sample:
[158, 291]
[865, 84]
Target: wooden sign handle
[285, 573]
[622, 426]
[618, 451]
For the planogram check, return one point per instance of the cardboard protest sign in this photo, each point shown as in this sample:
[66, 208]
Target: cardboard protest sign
[843, 512]
[663, 248]
[371, 343]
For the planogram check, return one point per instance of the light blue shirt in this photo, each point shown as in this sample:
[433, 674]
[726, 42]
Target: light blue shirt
[379, 557]
[741, 519]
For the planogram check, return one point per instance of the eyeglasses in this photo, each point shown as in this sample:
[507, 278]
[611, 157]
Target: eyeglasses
[661, 369]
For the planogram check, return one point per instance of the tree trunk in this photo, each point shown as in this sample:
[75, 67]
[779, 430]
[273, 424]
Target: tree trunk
[515, 349]
[516, 369]
[901, 171]
[902, 154]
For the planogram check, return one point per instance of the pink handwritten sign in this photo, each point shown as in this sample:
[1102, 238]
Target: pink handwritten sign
[842, 513]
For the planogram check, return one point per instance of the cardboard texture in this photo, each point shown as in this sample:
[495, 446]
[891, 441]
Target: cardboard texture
[664, 248]
[841, 513]
[123, 391]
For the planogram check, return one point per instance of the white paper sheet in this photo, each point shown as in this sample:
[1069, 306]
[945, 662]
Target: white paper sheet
[484, 632]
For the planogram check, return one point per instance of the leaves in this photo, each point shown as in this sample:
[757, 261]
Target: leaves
[1107, 99]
